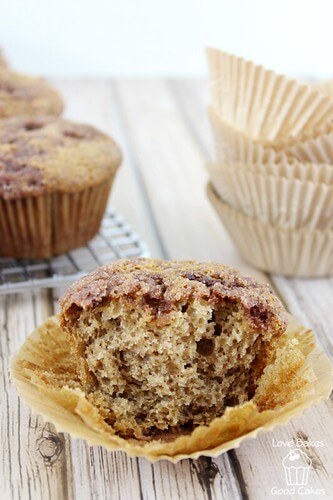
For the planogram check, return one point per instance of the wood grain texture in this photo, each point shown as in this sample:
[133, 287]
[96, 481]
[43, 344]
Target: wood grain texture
[163, 132]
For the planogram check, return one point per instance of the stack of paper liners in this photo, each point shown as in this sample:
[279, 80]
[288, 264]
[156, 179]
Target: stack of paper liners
[292, 252]
[275, 199]
[273, 168]
[269, 107]
[299, 376]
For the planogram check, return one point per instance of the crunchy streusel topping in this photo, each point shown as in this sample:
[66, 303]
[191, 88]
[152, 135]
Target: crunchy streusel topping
[47, 154]
[161, 285]
[22, 95]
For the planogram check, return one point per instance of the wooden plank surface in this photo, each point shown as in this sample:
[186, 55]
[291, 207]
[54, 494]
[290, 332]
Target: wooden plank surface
[162, 129]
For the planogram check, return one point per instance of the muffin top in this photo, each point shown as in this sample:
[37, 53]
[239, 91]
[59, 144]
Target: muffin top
[162, 285]
[3, 62]
[48, 154]
[26, 95]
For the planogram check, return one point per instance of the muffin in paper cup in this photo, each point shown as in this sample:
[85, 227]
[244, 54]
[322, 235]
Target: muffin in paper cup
[301, 252]
[278, 398]
[276, 200]
[55, 223]
[266, 106]
[3, 61]
[55, 181]
[23, 95]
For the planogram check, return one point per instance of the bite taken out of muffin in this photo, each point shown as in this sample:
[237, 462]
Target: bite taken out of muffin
[170, 359]
[163, 347]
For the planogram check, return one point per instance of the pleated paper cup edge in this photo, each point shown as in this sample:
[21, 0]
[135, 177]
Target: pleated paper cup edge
[52, 223]
[275, 200]
[317, 108]
[28, 390]
[272, 246]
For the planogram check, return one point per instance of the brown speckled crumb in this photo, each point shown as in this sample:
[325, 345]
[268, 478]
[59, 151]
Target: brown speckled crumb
[22, 95]
[162, 347]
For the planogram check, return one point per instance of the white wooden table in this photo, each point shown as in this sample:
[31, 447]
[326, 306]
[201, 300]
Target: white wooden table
[162, 129]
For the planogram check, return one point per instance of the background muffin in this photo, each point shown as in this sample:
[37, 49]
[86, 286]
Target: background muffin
[55, 178]
[162, 347]
[3, 62]
[26, 95]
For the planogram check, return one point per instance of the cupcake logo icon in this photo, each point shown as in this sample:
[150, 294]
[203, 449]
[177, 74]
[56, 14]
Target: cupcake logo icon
[296, 467]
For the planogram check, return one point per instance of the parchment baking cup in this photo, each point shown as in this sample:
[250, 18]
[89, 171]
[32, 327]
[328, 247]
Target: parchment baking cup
[314, 150]
[291, 252]
[326, 87]
[38, 227]
[234, 148]
[292, 169]
[277, 200]
[232, 145]
[298, 377]
[267, 106]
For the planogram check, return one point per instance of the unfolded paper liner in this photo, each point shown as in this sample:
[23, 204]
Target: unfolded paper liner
[266, 106]
[277, 200]
[52, 223]
[298, 377]
[292, 252]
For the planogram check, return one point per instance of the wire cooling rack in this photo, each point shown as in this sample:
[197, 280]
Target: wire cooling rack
[115, 240]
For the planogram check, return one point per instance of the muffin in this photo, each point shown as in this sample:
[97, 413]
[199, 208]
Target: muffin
[55, 178]
[3, 62]
[163, 347]
[26, 95]
[160, 359]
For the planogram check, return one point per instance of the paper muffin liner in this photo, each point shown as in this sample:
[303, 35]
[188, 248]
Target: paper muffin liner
[326, 87]
[300, 160]
[288, 203]
[267, 106]
[291, 252]
[299, 376]
[315, 150]
[42, 226]
[293, 169]
[232, 145]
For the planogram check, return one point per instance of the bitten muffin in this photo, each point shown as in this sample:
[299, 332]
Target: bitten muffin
[55, 178]
[162, 347]
[22, 95]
